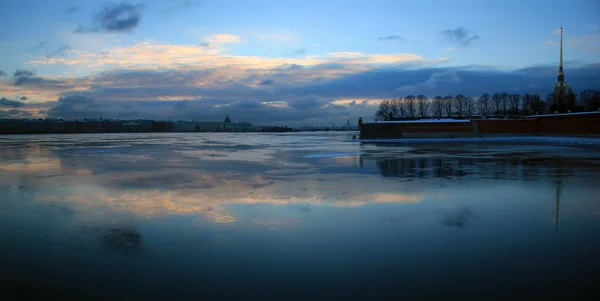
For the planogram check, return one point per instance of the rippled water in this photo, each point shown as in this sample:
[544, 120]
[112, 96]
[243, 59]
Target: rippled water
[303, 216]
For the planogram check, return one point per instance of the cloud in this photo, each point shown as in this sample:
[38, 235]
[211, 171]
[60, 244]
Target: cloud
[165, 81]
[78, 107]
[267, 82]
[436, 78]
[23, 98]
[39, 46]
[59, 51]
[72, 9]
[206, 95]
[391, 38]
[2, 73]
[300, 52]
[152, 55]
[223, 38]
[22, 76]
[10, 103]
[305, 103]
[16, 114]
[74, 107]
[460, 36]
[449, 48]
[123, 17]
[24, 72]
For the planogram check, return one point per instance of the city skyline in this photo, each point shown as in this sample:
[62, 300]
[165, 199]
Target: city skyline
[281, 63]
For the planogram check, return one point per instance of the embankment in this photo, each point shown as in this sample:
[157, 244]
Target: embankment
[574, 124]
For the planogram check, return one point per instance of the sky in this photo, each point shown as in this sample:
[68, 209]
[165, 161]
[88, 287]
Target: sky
[282, 62]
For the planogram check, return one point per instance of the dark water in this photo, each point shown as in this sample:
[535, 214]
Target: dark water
[295, 217]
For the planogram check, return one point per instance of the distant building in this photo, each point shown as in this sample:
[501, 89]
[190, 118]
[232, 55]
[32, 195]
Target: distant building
[162, 126]
[184, 126]
[207, 126]
[229, 126]
[135, 127]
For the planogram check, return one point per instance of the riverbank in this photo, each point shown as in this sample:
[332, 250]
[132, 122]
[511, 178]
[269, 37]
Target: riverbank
[573, 125]
[561, 140]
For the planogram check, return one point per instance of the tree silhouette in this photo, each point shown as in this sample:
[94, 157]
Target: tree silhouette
[385, 111]
[483, 104]
[527, 104]
[423, 105]
[410, 104]
[398, 108]
[497, 103]
[590, 100]
[470, 109]
[460, 103]
[515, 102]
[438, 106]
[448, 102]
[505, 103]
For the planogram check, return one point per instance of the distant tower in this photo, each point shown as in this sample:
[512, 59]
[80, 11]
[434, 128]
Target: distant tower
[561, 97]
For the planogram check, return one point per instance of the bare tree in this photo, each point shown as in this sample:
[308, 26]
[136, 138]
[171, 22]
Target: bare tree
[448, 104]
[460, 102]
[438, 106]
[549, 103]
[497, 103]
[398, 108]
[389, 109]
[484, 105]
[470, 107]
[505, 102]
[410, 103]
[384, 111]
[539, 106]
[526, 104]
[515, 102]
[423, 105]
[590, 100]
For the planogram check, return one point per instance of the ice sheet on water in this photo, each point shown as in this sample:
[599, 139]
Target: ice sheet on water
[328, 155]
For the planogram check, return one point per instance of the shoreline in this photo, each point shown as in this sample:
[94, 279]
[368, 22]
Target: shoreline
[578, 140]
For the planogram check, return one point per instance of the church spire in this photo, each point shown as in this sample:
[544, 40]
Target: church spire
[563, 97]
[561, 75]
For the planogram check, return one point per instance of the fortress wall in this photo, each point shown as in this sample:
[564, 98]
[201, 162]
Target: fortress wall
[587, 124]
[505, 126]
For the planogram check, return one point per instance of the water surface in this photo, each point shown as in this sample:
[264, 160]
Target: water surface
[303, 216]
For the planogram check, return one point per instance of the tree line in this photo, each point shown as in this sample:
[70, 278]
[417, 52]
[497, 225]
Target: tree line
[487, 105]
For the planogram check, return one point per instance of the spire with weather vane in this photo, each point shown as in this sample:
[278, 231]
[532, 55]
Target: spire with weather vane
[561, 75]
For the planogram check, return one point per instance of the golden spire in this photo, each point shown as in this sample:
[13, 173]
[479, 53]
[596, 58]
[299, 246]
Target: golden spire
[561, 75]
[561, 38]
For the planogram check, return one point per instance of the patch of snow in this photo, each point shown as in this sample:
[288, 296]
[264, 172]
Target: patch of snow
[564, 114]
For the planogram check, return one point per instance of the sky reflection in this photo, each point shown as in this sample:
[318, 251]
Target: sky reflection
[211, 210]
